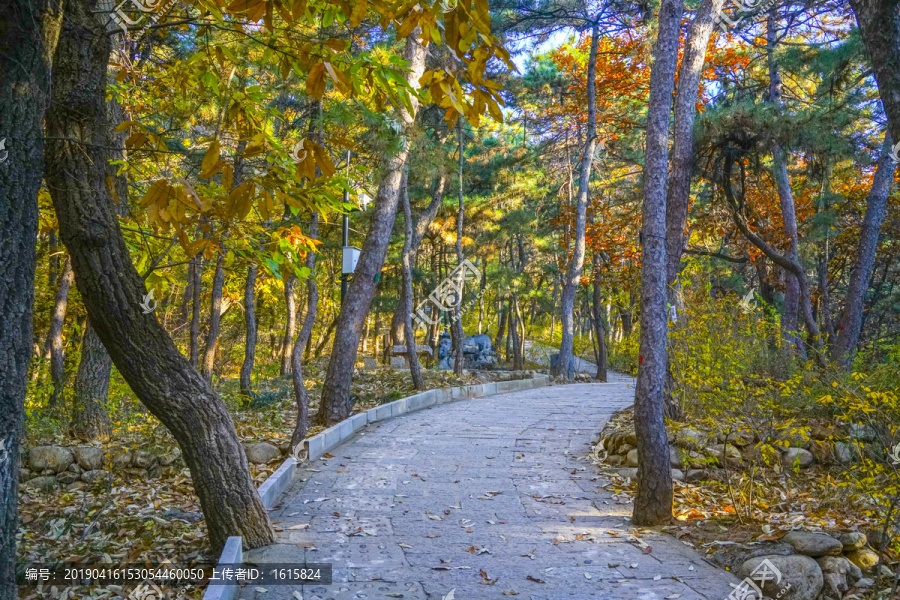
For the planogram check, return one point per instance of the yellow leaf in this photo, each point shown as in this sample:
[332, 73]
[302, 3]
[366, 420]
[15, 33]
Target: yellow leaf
[210, 165]
[315, 82]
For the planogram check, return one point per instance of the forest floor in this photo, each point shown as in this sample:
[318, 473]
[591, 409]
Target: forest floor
[491, 497]
[142, 510]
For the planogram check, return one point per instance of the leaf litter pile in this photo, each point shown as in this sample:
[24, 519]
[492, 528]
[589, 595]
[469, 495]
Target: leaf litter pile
[146, 517]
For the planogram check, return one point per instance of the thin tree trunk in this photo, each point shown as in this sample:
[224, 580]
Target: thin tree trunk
[326, 335]
[287, 342]
[573, 276]
[335, 403]
[653, 501]
[215, 318]
[598, 311]
[77, 138]
[250, 322]
[845, 345]
[498, 343]
[406, 294]
[458, 332]
[301, 397]
[54, 337]
[26, 45]
[197, 275]
[89, 419]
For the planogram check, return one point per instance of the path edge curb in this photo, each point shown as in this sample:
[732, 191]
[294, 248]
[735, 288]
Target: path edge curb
[316, 446]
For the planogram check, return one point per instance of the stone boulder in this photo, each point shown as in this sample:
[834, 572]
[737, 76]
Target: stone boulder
[863, 433]
[625, 472]
[89, 458]
[44, 483]
[478, 353]
[823, 452]
[819, 432]
[67, 477]
[631, 459]
[801, 573]
[52, 458]
[169, 457]
[95, 475]
[261, 453]
[843, 452]
[839, 564]
[690, 438]
[797, 456]
[813, 544]
[727, 452]
[143, 459]
[853, 540]
[864, 558]
[734, 555]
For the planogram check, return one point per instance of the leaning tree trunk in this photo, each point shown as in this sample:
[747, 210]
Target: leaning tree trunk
[89, 419]
[335, 403]
[653, 501]
[55, 338]
[26, 45]
[250, 322]
[287, 342]
[458, 332]
[598, 312]
[879, 27]
[851, 321]
[406, 295]
[573, 276]
[215, 318]
[77, 138]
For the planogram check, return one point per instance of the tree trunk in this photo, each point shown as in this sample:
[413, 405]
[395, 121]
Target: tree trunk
[26, 45]
[250, 321]
[879, 27]
[197, 275]
[851, 321]
[406, 294]
[458, 332]
[326, 335]
[55, 338]
[573, 277]
[335, 403]
[90, 420]
[287, 342]
[498, 342]
[301, 397]
[598, 311]
[77, 138]
[215, 318]
[653, 501]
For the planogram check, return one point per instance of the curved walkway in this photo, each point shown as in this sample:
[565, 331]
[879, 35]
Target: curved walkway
[491, 498]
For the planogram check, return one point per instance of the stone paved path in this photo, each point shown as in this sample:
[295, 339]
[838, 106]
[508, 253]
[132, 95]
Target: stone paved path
[436, 500]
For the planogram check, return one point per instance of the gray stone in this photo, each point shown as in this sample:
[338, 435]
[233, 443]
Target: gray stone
[853, 540]
[121, 459]
[813, 544]
[143, 459]
[800, 572]
[839, 564]
[864, 558]
[629, 473]
[797, 456]
[370, 363]
[169, 457]
[52, 458]
[624, 449]
[695, 475]
[834, 586]
[44, 483]
[76, 486]
[842, 452]
[729, 452]
[399, 362]
[67, 477]
[631, 459]
[734, 555]
[261, 453]
[23, 475]
[445, 352]
[89, 458]
[863, 433]
[677, 475]
[676, 458]
[75, 468]
[478, 353]
[865, 583]
[691, 438]
[96, 474]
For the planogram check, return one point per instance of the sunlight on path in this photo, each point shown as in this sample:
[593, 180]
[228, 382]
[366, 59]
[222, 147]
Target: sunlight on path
[494, 490]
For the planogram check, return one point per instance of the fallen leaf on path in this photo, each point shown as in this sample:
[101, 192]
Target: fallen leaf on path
[535, 579]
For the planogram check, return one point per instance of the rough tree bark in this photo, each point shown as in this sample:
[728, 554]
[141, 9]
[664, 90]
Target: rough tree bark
[55, 337]
[77, 136]
[215, 318]
[301, 397]
[599, 312]
[290, 326]
[653, 501]
[335, 403]
[89, 419]
[879, 26]
[250, 322]
[27, 38]
[851, 320]
[406, 294]
[573, 277]
[456, 325]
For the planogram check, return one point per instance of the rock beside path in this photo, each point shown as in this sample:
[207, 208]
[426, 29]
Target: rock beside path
[800, 572]
[813, 544]
[53, 458]
[262, 453]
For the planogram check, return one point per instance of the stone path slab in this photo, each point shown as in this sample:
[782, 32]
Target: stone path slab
[489, 497]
